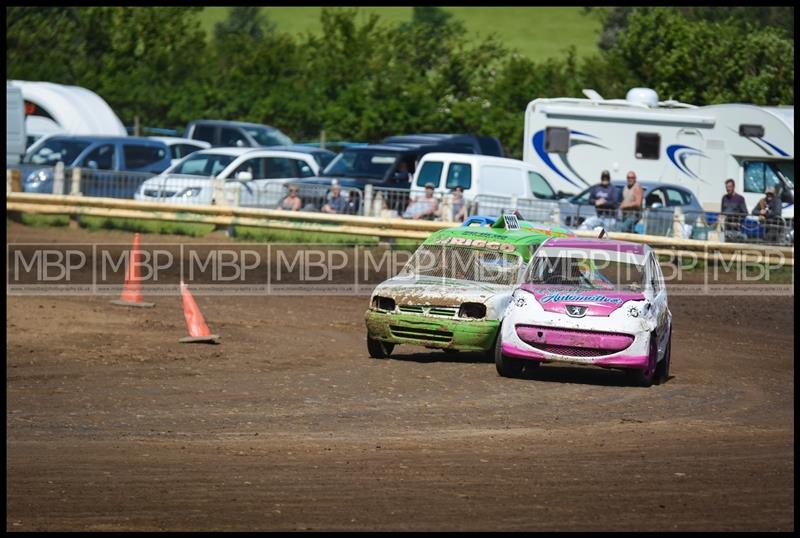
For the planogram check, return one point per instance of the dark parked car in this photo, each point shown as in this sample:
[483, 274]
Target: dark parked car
[236, 134]
[381, 165]
[660, 201]
[101, 157]
[481, 145]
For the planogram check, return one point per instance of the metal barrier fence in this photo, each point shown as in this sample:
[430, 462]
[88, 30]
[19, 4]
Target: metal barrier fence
[391, 203]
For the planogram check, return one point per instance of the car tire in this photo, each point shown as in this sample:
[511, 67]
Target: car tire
[506, 366]
[378, 349]
[644, 377]
[662, 371]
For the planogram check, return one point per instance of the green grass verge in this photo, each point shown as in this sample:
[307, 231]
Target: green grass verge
[241, 233]
[536, 32]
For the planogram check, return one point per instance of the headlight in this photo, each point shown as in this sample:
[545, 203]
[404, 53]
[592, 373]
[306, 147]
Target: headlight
[190, 193]
[383, 303]
[39, 176]
[472, 310]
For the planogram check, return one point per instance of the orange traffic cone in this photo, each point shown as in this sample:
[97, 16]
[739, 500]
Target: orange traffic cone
[198, 330]
[132, 292]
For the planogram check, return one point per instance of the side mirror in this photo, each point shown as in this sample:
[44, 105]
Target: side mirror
[655, 205]
[240, 143]
[92, 164]
[244, 175]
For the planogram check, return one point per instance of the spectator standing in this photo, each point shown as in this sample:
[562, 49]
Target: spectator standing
[336, 203]
[292, 202]
[423, 207]
[732, 207]
[604, 197]
[459, 205]
[768, 211]
[631, 205]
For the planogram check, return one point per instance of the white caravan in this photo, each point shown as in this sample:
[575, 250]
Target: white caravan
[664, 141]
[59, 109]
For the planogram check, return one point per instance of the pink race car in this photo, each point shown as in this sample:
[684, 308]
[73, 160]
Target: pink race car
[593, 302]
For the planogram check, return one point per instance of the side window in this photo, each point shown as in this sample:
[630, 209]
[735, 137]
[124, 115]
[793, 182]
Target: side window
[303, 168]
[676, 198]
[204, 132]
[556, 139]
[539, 186]
[232, 138]
[102, 156]
[278, 167]
[459, 175]
[141, 156]
[180, 151]
[654, 276]
[655, 197]
[431, 172]
[648, 145]
[254, 166]
[758, 175]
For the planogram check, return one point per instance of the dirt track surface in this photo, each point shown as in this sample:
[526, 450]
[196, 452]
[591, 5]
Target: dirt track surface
[289, 425]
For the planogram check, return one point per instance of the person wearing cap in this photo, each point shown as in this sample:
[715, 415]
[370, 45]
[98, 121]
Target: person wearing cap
[768, 211]
[423, 207]
[604, 197]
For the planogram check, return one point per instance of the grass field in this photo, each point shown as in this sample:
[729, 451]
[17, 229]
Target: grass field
[536, 32]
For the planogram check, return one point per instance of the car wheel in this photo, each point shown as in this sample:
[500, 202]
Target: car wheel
[644, 377]
[506, 366]
[662, 370]
[378, 349]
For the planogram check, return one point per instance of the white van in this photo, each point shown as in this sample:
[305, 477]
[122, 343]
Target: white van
[483, 175]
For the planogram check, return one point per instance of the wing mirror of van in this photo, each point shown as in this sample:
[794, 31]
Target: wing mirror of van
[92, 164]
[244, 175]
[562, 194]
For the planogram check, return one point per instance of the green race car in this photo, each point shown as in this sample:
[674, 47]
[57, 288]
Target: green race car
[452, 293]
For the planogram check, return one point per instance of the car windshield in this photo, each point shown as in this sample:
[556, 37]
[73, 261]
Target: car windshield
[587, 268]
[323, 158]
[56, 150]
[368, 164]
[268, 137]
[464, 263]
[203, 164]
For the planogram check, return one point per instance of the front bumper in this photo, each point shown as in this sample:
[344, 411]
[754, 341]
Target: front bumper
[431, 331]
[576, 347]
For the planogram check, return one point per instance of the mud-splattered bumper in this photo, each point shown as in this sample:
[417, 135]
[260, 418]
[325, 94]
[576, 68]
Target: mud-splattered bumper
[429, 331]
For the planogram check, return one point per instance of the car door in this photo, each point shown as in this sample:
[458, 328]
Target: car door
[658, 212]
[249, 189]
[96, 179]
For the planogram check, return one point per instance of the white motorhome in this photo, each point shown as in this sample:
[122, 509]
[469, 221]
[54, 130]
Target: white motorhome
[59, 109]
[15, 126]
[664, 141]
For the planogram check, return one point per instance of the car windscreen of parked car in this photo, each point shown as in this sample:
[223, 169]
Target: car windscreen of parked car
[268, 137]
[368, 164]
[587, 269]
[204, 164]
[56, 150]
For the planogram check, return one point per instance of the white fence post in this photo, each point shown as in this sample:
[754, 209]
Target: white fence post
[235, 192]
[58, 178]
[9, 175]
[555, 215]
[218, 192]
[447, 208]
[367, 201]
[677, 223]
[75, 188]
